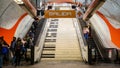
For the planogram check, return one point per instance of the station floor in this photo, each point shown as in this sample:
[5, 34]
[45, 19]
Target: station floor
[65, 64]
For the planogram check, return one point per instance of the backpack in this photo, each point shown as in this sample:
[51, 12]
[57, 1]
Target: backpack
[4, 50]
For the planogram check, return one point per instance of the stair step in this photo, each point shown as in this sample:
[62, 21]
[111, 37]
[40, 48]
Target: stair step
[69, 55]
[49, 45]
[60, 52]
[48, 56]
[49, 49]
[50, 38]
[48, 52]
[61, 59]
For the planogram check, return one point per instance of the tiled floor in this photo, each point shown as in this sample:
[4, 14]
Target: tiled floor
[65, 64]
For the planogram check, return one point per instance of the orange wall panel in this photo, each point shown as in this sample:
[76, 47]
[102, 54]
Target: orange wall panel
[115, 33]
[9, 33]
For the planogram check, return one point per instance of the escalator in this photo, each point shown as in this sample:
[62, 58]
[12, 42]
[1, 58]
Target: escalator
[108, 55]
[94, 55]
[97, 52]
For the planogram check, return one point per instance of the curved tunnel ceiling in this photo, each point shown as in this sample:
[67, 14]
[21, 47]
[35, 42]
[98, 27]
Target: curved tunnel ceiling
[111, 9]
[110, 13]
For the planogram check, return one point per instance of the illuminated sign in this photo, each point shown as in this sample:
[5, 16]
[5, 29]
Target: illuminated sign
[60, 14]
[19, 1]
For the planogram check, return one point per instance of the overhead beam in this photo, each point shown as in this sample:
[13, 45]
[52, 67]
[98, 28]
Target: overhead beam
[92, 8]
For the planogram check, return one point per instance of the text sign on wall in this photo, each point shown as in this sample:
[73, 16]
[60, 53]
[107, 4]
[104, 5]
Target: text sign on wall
[60, 14]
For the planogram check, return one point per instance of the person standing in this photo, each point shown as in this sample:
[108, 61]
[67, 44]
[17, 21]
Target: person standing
[18, 50]
[24, 42]
[86, 32]
[12, 48]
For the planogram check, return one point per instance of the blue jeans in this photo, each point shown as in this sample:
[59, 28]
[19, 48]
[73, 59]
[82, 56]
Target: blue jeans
[13, 60]
[1, 61]
[86, 36]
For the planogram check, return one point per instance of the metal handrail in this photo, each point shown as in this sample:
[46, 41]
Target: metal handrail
[41, 33]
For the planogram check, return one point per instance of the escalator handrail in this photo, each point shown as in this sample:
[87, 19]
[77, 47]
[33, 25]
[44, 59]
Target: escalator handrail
[81, 30]
[41, 32]
[85, 58]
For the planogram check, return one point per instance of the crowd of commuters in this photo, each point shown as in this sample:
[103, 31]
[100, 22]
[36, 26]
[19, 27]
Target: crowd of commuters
[17, 50]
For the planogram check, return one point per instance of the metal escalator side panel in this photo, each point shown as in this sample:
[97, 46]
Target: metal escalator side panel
[39, 43]
[82, 42]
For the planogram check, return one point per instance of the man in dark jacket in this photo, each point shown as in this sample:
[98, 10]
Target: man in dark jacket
[12, 46]
[18, 50]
